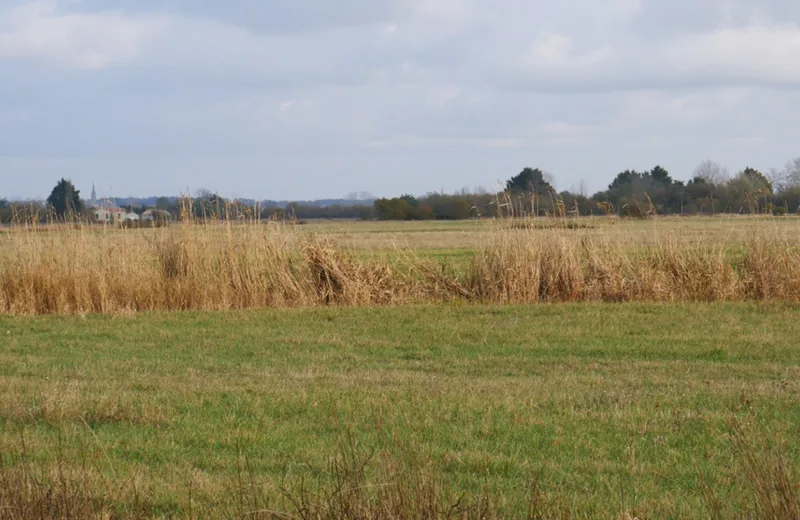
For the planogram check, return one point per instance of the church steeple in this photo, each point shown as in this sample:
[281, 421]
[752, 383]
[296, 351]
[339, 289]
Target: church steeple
[94, 197]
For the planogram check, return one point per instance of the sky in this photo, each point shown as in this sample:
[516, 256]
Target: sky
[305, 99]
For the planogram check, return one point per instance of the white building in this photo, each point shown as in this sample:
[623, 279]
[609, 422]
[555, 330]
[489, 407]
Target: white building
[109, 215]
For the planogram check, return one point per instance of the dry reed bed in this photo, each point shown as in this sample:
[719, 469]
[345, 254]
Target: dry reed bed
[73, 271]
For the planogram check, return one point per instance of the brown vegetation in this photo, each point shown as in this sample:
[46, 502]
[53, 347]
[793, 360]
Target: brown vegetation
[75, 270]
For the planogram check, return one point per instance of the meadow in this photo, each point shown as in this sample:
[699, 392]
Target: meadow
[594, 368]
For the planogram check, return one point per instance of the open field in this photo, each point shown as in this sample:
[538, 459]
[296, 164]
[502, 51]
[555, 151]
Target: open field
[371, 370]
[472, 234]
[71, 270]
[455, 236]
[614, 408]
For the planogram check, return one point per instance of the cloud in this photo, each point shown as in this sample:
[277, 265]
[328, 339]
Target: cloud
[287, 105]
[47, 30]
[751, 55]
[272, 17]
[767, 54]
[388, 91]
[514, 45]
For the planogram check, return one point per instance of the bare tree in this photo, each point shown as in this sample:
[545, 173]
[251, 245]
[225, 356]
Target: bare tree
[792, 173]
[583, 189]
[712, 172]
[778, 178]
[204, 193]
[787, 177]
[549, 178]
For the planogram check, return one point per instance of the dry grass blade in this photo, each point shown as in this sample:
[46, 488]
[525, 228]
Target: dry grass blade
[775, 485]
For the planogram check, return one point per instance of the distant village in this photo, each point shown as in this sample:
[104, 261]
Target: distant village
[65, 200]
[107, 213]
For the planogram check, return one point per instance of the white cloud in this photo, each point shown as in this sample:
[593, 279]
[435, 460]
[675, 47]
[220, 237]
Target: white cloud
[553, 48]
[756, 53]
[287, 105]
[45, 30]
[444, 95]
[748, 55]
[471, 86]
[442, 10]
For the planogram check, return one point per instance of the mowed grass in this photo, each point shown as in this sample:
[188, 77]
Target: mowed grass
[438, 237]
[613, 408]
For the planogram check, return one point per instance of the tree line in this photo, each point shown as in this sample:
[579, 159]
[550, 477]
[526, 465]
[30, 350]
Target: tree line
[635, 193]
[711, 190]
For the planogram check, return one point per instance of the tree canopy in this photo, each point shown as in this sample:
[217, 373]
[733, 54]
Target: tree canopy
[65, 199]
[757, 180]
[626, 178]
[657, 177]
[530, 180]
[660, 176]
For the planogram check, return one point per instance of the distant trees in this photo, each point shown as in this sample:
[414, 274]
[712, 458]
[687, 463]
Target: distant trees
[660, 176]
[405, 207]
[711, 190]
[635, 191]
[6, 213]
[165, 203]
[791, 174]
[625, 179]
[756, 180]
[532, 181]
[453, 207]
[577, 204]
[65, 199]
[531, 192]
[433, 206]
[712, 173]
[787, 186]
[207, 205]
[22, 212]
[657, 177]
[393, 209]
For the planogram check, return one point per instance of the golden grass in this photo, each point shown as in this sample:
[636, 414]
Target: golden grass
[74, 270]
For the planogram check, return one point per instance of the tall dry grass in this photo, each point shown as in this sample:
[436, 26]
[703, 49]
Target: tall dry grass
[563, 267]
[68, 269]
[188, 266]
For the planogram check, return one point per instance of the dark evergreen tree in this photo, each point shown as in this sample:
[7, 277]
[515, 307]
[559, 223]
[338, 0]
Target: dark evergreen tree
[65, 199]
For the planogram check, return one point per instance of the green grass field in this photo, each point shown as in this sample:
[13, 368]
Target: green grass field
[616, 408]
[438, 237]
